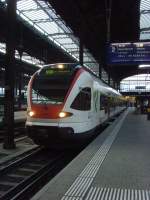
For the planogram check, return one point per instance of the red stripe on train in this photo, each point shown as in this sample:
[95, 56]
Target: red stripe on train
[73, 82]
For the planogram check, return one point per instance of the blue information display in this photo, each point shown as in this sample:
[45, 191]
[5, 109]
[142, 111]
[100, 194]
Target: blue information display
[128, 53]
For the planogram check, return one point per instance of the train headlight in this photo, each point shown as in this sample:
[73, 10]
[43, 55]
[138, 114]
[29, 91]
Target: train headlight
[31, 113]
[64, 114]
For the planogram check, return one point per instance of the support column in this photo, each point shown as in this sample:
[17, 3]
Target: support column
[9, 75]
[16, 86]
[19, 88]
[114, 84]
[100, 71]
[108, 5]
[81, 52]
[118, 85]
[108, 79]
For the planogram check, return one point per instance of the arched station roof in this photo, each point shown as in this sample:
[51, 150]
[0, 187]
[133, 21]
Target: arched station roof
[88, 19]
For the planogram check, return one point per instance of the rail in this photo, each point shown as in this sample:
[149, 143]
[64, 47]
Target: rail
[27, 174]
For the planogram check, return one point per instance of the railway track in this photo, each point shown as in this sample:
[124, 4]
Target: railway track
[30, 173]
[19, 131]
[23, 176]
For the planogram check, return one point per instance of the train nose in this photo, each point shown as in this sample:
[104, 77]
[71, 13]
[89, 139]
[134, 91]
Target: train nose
[66, 132]
[48, 112]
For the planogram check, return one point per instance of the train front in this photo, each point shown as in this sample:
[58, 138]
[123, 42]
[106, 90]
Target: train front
[47, 93]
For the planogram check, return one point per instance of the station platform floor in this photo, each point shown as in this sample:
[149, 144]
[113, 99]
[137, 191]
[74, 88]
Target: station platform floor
[19, 116]
[23, 145]
[115, 166]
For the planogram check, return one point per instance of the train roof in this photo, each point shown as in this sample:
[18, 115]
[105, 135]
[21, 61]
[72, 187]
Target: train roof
[71, 66]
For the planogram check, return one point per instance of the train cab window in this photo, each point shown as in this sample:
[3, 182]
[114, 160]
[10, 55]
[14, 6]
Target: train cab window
[82, 100]
[51, 88]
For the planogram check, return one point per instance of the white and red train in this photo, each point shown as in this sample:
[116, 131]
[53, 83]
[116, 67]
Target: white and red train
[67, 102]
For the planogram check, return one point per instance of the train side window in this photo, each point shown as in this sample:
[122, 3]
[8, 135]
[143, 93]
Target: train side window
[82, 100]
[103, 102]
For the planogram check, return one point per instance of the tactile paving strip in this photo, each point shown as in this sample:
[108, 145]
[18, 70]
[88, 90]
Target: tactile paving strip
[117, 194]
[83, 182]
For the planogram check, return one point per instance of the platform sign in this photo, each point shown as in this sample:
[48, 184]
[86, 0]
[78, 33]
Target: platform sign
[128, 53]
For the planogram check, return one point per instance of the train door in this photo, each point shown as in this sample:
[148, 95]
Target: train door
[104, 108]
[95, 108]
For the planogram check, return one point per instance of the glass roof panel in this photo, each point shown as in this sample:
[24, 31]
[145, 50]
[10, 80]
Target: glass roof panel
[59, 36]
[64, 40]
[145, 20]
[138, 77]
[25, 57]
[26, 4]
[75, 53]
[41, 16]
[29, 59]
[3, 48]
[71, 45]
[132, 83]
[50, 27]
[36, 15]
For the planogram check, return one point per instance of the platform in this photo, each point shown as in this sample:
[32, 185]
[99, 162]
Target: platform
[115, 166]
[23, 145]
[19, 116]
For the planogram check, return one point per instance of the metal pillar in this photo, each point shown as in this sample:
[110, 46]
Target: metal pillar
[100, 71]
[16, 87]
[118, 85]
[108, 79]
[108, 6]
[19, 88]
[81, 52]
[114, 84]
[9, 75]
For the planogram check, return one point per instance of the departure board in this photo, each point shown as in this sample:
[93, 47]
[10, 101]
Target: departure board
[128, 53]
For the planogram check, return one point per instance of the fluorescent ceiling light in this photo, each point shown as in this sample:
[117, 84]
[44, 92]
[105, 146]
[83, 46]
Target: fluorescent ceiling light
[144, 66]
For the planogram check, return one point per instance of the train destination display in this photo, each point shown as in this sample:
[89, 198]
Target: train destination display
[128, 53]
